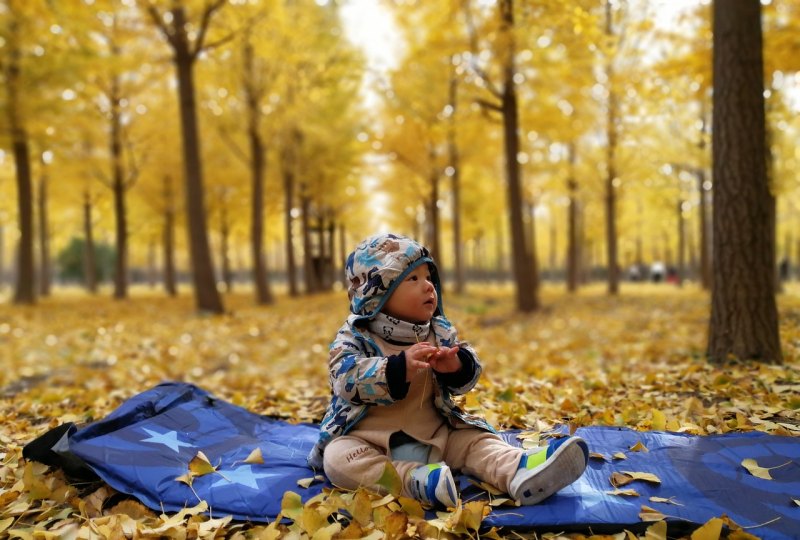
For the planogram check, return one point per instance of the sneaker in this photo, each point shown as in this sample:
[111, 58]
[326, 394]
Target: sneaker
[433, 484]
[543, 471]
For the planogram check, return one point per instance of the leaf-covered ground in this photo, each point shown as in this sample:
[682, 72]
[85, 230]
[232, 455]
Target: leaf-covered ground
[584, 359]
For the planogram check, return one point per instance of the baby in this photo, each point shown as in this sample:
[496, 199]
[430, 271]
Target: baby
[394, 366]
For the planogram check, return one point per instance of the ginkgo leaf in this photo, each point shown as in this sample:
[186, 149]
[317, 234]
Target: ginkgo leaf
[200, 465]
[474, 512]
[618, 479]
[390, 480]
[659, 422]
[650, 514]
[255, 457]
[292, 505]
[656, 531]
[596, 455]
[761, 472]
[646, 477]
[620, 455]
[710, 530]
[624, 492]
[796, 502]
[670, 500]
[488, 488]
[186, 478]
[6, 523]
[412, 507]
[639, 447]
[306, 482]
[361, 507]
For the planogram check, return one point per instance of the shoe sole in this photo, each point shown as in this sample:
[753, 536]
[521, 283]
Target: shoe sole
[562, 468]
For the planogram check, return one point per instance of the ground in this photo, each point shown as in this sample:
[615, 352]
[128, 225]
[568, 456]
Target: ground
[634, 360]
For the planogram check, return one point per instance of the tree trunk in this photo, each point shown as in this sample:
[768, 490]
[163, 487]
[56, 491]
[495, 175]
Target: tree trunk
[611, 171]
[572, 223]
[89, 259]
[523, 261]
[25, 292]
[433, 221]
[681, 245]
[207, 298]
[343, 251]
[455, 178]
[287, 166]
[45, 267]
[257, 171]
[118, 189]
[744, 317]
[151, 263]
[705, 263]
[169, 238]
[225, 233]
[2, 256]
[309, 275]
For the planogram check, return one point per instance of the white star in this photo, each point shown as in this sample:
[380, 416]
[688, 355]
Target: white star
[243, 476]
[169, 439]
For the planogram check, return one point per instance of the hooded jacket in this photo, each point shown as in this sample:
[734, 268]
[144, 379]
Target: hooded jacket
[358, 368]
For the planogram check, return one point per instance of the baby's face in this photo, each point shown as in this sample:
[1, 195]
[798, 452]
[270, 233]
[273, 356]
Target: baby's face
[414, 300]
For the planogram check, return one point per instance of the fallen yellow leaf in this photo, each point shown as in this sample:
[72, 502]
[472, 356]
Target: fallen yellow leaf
[710, 530]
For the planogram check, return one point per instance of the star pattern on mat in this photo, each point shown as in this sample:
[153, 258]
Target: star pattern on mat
[243, 476]
[168, 439]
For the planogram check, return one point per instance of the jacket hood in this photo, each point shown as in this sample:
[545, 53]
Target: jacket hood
[378, 265]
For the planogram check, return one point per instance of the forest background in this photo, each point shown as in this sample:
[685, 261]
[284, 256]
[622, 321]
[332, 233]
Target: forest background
[234, 151]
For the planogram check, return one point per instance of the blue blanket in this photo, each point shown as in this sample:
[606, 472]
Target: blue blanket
[149, 440]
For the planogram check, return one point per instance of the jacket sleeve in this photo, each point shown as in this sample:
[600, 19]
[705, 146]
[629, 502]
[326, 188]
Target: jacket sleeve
[357, 372]
[467, 377]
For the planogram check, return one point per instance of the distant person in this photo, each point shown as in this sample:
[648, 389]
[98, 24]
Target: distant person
[672, 275]
[657, 272]
[784, 269]
[394, 366]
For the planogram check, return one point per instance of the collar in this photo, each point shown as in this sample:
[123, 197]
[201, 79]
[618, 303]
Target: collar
[395, 330]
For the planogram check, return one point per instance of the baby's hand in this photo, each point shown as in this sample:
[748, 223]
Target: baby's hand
[445, 360]
[417, 357]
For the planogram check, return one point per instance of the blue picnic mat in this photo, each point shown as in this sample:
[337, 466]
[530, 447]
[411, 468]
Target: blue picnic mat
[148, 441]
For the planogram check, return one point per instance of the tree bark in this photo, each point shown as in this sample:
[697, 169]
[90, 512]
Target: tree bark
[287, 166]
[118, 189]
[2, 256]
[572, 223]
[523, 261]
[186, 49]
[257, 171]
[705, 265]
[681, 244]
[309, 274]
[169, 238]
[45, 266]
[225, 233]
[744, 317]
[25, 292]
[455, 179]
[89, 259]
[433, 221]
[611, 171]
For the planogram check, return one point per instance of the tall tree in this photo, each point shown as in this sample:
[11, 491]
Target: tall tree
[12, 68]
[504, 100]
[187, 42]
[744, 317]
[611, 164]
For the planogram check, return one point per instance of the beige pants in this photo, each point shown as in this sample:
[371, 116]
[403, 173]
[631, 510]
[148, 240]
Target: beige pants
[350, 462]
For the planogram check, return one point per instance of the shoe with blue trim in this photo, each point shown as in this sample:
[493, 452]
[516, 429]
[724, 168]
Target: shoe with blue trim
[544, 471]
[433, 484]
